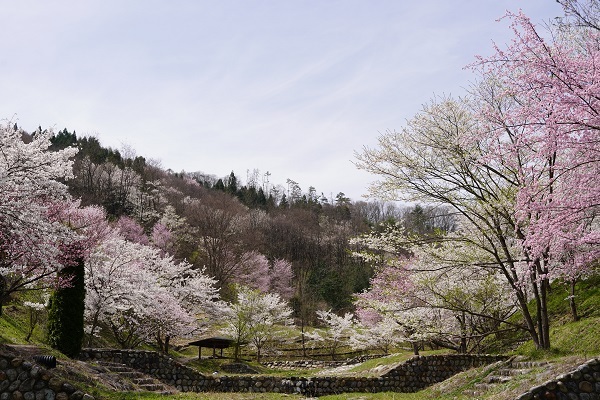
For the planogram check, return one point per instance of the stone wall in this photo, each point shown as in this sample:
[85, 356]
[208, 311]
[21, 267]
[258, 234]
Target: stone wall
[413, 375]
[420, 372]
[21, 379]
[314, 364]
[581, 384]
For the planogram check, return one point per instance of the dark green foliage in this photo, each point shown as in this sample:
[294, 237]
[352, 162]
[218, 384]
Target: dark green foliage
[91, 147]
[65, 314]
[252, 198]
[284, 203]
[232, 184]
[63, 139]
[220, 185]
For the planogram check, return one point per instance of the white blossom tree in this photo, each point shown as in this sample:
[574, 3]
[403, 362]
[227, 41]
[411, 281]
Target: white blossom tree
[30, 186]
[382, 335]
[143, 295]
[336, 332]
[256, 318]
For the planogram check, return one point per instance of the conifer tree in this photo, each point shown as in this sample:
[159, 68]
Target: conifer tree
[66, 310]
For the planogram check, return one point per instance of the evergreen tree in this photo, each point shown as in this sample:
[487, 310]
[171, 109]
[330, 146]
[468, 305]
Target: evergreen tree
[284, 203]
[232, 184]
[220, 185]
[65, 313]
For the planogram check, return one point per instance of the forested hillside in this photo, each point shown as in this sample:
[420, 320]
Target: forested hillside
[191, 232]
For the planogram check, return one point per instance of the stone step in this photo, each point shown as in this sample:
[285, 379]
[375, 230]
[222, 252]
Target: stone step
[529, 364]
[140, 380]
[143, 381]
[131, 374]
[504, 374]
[511, 371]
[497, 379]
[155, 387]
[483, 387]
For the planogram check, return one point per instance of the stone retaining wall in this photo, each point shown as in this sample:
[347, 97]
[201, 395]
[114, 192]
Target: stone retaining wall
[420, 372]
[20, 379]
[581, 384]
[413, 375]
[304, 364]
[314, 364]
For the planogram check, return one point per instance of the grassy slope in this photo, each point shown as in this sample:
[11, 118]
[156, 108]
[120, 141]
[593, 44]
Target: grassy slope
[572, 344]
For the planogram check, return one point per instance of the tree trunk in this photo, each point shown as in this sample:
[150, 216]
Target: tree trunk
[462, 349]
[572, 303]
[33, 320]
[530, 324]
[236, 353]
[303, 338]
[415, 347]
[2, 292]
[545, 329]
[167, 340]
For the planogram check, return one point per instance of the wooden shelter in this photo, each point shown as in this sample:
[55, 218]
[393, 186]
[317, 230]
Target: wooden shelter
[215, 342]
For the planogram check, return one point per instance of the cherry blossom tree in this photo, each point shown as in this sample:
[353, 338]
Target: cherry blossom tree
[545, 111]
[517, 160]
[30, 185]
[255, 271]
[252, 270]
[281, 278]
[256, 318]
[337, 330]
[143, 296]
[163, 238]
[382, 335]
[437, 159]
[131, 230]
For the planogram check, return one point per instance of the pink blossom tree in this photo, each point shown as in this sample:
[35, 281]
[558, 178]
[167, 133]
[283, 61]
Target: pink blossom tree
[517, 160]
[255, 271]
[252, 270]
[545, 112]
[163, 238]
[281, 276]
[131, 230]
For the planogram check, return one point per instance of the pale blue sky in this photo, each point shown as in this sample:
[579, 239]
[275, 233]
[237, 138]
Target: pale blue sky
[291, 87]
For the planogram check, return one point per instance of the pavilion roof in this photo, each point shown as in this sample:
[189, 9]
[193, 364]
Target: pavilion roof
[215, 342]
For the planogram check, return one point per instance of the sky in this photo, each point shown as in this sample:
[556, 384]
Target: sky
[290, 87]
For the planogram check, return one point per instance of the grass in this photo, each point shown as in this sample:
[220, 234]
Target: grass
[14, 324]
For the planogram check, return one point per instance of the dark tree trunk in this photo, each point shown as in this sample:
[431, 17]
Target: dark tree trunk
[572, 303]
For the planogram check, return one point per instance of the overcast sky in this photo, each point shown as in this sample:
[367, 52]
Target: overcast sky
[291, 87]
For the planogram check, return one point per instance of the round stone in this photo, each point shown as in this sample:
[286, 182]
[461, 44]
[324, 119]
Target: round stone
[586, 387]
[55, 384]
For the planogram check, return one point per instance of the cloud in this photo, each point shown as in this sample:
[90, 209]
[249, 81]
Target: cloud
[293, 88]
